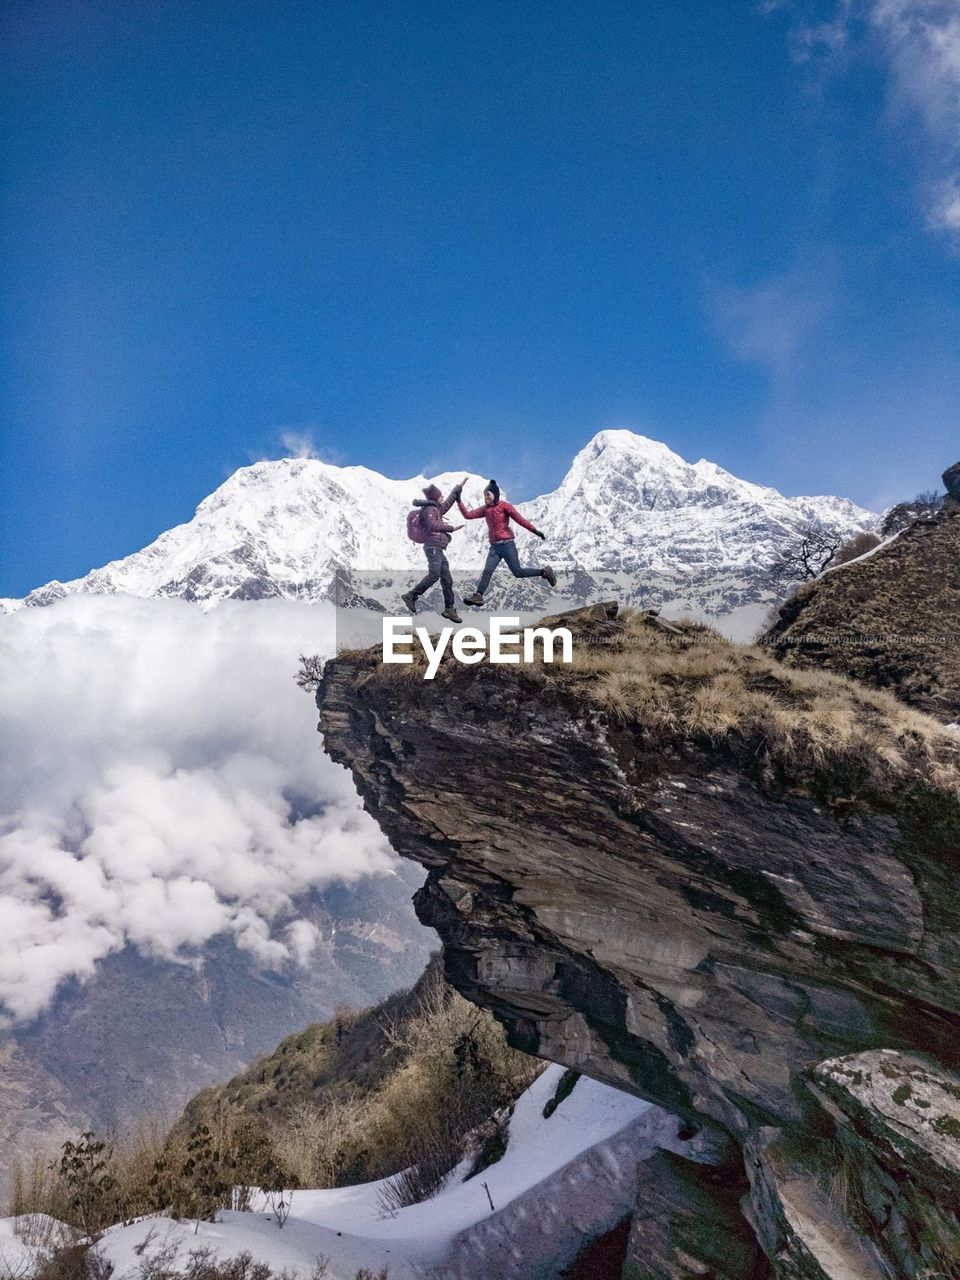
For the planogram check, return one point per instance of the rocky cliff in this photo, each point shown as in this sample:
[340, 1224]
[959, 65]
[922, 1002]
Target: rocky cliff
[726, 886]
[891, 618]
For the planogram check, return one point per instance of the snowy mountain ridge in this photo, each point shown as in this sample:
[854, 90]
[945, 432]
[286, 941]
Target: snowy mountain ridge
[630, 518]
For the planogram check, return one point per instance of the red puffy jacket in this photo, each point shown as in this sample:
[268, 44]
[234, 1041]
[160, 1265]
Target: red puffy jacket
[498, 517]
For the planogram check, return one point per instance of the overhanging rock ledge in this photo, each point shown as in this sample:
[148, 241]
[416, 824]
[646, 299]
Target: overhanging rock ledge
[679, 915]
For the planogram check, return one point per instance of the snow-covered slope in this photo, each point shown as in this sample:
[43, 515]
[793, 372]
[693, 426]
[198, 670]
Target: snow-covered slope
[562, 1181]
[631, 519]
[24, 1240]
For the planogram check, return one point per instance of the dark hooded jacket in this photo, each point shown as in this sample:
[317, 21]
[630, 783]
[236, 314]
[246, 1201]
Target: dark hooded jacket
[431, 516]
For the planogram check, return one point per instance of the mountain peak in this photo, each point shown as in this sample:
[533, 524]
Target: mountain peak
[620, 441]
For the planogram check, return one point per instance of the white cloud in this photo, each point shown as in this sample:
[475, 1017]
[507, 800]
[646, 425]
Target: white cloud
[163, 783]
[922, 40]
[299, 444]
[922, 43]
[919, 41]
[302, 938]
[945, 214]
[811, 41]
[768, 322]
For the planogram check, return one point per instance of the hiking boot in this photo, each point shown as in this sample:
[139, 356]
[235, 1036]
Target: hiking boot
[550, 576]
[476, 600]
[409, 602]
[451, 613]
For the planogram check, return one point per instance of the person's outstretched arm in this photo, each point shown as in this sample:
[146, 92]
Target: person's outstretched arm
[476, 514]
[453, 497]
[514, 514]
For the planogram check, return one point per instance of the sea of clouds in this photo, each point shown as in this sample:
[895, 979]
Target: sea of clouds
[161, 782]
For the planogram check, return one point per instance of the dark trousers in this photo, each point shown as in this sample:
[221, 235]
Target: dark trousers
[438, 570]
[507, 552]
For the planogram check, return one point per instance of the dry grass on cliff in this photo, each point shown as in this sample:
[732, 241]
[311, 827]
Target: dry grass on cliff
[685, 680]
[697, 684]
[891, 620]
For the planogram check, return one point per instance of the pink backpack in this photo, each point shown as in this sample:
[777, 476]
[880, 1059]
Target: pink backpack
[415, 529]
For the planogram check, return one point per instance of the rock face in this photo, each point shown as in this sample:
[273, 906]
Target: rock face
[687, 1222]
[904, 1110]
[687, 925]
[951, 482]
[892, 618]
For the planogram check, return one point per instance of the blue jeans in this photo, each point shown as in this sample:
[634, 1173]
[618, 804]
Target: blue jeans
[506, 551]
[438, 568]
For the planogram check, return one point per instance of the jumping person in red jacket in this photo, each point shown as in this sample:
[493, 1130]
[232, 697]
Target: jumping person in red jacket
[498, 513]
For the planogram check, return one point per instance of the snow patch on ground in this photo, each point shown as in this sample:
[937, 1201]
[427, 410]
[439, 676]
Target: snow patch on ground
[20, 1249]
[867, 555]
[560, 1182]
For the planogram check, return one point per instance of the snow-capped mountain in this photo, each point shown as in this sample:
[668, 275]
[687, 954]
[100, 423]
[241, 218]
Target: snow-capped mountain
[631, 519]
[651, 528]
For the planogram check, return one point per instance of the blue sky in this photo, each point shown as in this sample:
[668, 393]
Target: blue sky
[431, 235]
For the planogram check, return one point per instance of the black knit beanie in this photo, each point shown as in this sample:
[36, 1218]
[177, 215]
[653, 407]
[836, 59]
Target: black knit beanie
[495, 490]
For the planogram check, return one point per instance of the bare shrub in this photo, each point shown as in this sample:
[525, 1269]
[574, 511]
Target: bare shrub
[135, 1156]
[73, 1262]
[167, 1263]
[457, 1070]
[925, 506]
[85, 1169]
[438, 1059]
[311, 670]
[20, 1268]
[38, 1201]
[198, 1185]
[216, 1164]
[78, 1260]
[437, 1152]
[320, 1139]
[69, 1191]
[813, 551]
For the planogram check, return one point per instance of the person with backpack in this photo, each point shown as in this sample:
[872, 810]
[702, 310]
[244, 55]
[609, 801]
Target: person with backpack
[426, 526]
[498, 513]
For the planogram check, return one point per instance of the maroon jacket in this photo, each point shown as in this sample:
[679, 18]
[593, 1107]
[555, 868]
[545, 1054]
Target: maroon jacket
[498, 517]
[431, 517]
